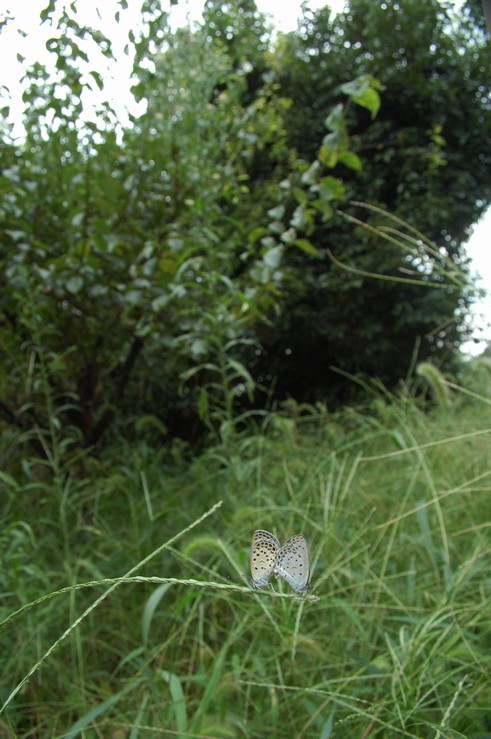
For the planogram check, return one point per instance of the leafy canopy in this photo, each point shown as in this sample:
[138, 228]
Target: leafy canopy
[168, 267]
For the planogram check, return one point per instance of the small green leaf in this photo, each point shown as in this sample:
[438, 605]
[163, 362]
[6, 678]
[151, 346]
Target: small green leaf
[198, 348]
[74, 284]
[9, 480]
[151, 606]
[256, 234]
[300, 195]
[100, 709]
[328, 157]
[363, 92]
[350, 160]
[305, 246]
[299, 219]
[289, 236]
[369, 100]
[78, 219]
[330, 188]
[159, 303]
[97, 79]
[277, 213]
[277, 227]
[310, 176]
[335, 120]
[272, 257]
[324, 208]
[178, 700]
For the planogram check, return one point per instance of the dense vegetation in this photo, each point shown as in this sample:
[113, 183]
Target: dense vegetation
[419, 160]
[175, 294]
[205, 244]
[395, 503]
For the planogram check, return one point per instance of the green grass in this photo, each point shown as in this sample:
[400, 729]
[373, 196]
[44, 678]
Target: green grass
[166, 638]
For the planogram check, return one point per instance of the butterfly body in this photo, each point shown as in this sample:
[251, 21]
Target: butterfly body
[289, 562]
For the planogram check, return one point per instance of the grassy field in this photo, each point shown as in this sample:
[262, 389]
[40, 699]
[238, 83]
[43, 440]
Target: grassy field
[127, 610]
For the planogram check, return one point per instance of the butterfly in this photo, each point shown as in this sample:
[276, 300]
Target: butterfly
[289, 562]
[264, 555]
[293, 563]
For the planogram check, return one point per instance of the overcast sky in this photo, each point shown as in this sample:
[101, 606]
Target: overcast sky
[101, 14]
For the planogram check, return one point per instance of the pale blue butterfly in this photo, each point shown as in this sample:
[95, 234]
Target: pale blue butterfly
[264, 554]
[290, 562]
[293, 565]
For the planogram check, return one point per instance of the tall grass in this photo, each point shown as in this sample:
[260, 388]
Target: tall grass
[167, 638]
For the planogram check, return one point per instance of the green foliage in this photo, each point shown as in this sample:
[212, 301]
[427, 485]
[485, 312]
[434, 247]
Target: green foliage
[123, 251]
[425, 158]
[143, 266]
[143, 616]
[146, 256]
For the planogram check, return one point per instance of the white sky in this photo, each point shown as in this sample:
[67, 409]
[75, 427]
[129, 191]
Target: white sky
[101, 15]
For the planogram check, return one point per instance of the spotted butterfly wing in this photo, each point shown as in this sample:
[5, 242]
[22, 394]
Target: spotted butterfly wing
[293, 563]
[264, 553]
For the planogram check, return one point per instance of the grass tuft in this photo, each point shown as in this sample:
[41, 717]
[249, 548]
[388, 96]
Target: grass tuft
[126, 608]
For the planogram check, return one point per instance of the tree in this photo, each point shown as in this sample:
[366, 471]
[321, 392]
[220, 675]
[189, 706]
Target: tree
[425, 158]
[126, 255]
[142, 266]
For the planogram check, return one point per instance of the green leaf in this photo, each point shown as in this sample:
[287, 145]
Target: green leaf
[178, 701]
[74, 284]
[351, 160]
[87, 720]
[363, 92]
[300, 195]
[150, 607]
[256, 234]
[210, 693]
[97, 79]
[305, 246]
[331, 188]
[300, 218]
[310, 176]
[328, 156]
[272, 257]
[335, 120]
[277, 213]
[9, 480]
[78, 219]
[370, 100]
[324, 208]
[289, 236]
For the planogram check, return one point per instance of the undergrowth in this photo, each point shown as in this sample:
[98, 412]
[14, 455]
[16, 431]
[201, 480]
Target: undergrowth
[167, 638]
